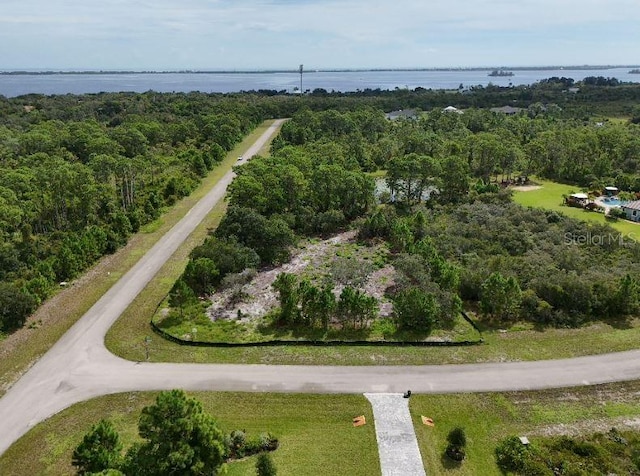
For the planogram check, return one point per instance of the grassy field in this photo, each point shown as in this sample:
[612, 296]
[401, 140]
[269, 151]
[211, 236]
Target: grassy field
[489, 418]
[315, 432]
[550, 198]
[51, 321]
[316, 435]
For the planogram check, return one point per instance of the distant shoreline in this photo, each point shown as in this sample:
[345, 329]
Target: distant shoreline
[310, 71]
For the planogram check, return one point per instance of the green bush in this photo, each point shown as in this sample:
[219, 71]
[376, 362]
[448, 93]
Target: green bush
[265, 465]
[512, 455]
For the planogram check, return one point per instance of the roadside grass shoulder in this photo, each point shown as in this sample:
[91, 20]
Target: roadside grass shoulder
[315, 432]
[489, 418]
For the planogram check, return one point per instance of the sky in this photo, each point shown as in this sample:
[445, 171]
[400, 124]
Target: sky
[321, 34]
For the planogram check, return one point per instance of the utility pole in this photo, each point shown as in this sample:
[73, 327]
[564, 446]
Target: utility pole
[301, 70]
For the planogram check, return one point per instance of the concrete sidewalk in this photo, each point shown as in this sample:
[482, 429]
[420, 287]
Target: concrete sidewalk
[397, 444]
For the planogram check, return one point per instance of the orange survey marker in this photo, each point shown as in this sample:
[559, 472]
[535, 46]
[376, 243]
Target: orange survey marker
[359, 421]
[427, 421]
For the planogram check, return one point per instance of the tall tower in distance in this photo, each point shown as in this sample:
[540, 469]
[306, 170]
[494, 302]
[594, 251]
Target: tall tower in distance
[301, 71]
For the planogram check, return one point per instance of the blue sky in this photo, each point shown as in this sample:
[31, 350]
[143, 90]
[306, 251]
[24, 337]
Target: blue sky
[264, 34]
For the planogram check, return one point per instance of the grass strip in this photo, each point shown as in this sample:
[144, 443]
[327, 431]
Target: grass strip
[489, 418]
[315, 432]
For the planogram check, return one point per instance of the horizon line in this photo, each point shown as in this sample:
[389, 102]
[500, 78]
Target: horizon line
[38, 71]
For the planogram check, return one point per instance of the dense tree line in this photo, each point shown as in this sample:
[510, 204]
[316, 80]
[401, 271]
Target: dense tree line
[477, 144]
[516, 263]
[273, 201]
[453, 233]
[79, 174]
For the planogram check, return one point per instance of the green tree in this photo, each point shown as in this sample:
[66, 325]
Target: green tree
[410, 176]
[286, 285]
[269, 237]
[15, 306]
[626, 300]
[201, 274]
[265, 465]
[100, 449]
[228, 255]
[415, 309]
[355, 307]
[181, 295]
[454, 180]
[457, 440]
[500, 296]
[180, 438]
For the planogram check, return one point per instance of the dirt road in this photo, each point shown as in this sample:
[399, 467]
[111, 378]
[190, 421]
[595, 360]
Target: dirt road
[79, 367]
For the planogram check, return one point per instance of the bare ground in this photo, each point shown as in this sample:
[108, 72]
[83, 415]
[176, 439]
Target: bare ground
[257, 298]
[525, 188]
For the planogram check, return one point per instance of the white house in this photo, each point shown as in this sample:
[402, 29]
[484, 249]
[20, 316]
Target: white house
[610, 191]
[632, 210]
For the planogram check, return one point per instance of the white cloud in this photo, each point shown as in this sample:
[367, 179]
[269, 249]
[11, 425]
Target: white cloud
[263, 33]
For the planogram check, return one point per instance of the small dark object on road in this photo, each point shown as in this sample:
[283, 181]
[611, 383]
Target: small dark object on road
[407, 394]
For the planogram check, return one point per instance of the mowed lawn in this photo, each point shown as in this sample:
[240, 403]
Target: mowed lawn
[490, 417]
[549, 197]
[315, 432]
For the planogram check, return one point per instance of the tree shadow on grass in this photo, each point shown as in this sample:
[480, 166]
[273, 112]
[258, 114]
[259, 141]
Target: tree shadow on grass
[449, 464]
[302, 331]
[620, 323]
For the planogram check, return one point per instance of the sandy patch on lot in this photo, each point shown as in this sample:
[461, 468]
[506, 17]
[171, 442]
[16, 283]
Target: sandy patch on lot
[257, 297]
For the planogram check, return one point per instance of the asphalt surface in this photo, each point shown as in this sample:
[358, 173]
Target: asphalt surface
[79, 367]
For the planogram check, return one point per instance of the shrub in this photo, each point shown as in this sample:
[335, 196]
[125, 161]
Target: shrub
[268, 442]
[455, 453]
[265, 465]
[512, 455]
[236, 444]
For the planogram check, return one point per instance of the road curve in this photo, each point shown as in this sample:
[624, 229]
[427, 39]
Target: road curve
[79, 367]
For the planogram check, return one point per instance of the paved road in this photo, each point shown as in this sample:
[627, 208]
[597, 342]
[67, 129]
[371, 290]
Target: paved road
[79, 367]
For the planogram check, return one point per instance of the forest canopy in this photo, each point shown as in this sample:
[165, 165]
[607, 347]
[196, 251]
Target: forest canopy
[79, 174]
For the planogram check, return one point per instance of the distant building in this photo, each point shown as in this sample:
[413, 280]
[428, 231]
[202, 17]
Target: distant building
[452, 109]
[610, 191]
[507, 110]
[632, 210]
[402, 114]
[577, 200]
